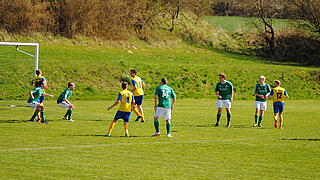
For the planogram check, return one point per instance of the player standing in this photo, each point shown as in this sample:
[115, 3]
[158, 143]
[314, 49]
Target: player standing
[34, 102]
[64, 103]
[278, 95]
[126, 100]
[37, 82]
[138, 93]
[262, 91]
[163, 106]
[224, 91]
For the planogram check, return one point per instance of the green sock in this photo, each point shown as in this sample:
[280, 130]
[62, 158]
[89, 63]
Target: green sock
[168, 127]
[70, 114]
[218, 117]
[229, 117]
[156, 125]
[43, 118]
[256, 119]
[260, 120]
[67, 114]
[34, 115]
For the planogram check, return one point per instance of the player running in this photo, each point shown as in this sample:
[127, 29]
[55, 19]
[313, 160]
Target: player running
[278, 94]
[37, 82]
[138, 93]
[126, 100]
[224, 91]
[163, 106]
[64, 103]
[262, 91]
[34, 102]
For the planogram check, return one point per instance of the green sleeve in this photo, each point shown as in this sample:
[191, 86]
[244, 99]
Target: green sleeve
[173, 95]
[255, 89]
[216, 88]
[231, 86]
[268, 89]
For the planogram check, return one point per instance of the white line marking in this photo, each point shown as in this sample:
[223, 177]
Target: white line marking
[121, 144]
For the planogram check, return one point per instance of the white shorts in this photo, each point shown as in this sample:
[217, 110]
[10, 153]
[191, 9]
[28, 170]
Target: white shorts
[33, 105]
[225, 103]
[261, 105]
[165, 112]
[64, 105]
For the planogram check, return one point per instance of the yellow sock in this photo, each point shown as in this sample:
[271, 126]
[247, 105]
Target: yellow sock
[111, 127]
[142, 115]
[281, 120]
[275, 118]
[136, 112]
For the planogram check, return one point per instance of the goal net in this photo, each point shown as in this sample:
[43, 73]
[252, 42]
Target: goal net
[18, 62]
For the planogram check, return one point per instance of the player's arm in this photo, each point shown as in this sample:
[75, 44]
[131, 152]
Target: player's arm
[174, 99]
[285, 94]
[48, 95]
[132, 103]
[32, 83]
[271, 94]
[31, 94]
[67, 101]
[143, 84]
[155, 100]
[232, 93]
[135, 86]
[116, 102]
[216, 90]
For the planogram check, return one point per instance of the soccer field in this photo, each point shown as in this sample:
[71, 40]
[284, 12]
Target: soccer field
[63, 150]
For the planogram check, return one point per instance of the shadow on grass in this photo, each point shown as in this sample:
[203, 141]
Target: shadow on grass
[300, 139]
[15, 121]
[195, 125]
[100, 135]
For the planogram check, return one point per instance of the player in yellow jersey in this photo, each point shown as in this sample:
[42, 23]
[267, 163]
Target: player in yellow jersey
[126, 100]
[37, 82]
[278, 95]
[138, 93]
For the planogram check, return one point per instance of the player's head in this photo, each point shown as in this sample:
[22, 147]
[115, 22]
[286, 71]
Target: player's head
[277, 83]
[222, 76]
[262, 79]
[164, 80]
[133, 72]
[71, 86]
[124, 85]
[38, 72]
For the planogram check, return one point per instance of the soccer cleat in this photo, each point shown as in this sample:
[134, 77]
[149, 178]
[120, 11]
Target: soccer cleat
[156, 134]
[126, 134]
[169, 135]
[139, 117]
[217, 124]
[44, 122]
[64, 118]
[280, 127]
[275, 124]
[38, 120]
[259, 125]
[255, 125]
[70, 120]
[107, 135]
[143, 121]
[228, 125]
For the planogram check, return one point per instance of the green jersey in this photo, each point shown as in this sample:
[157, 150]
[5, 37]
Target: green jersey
[225, 90]
[64, 95]
[165, 93]
[263, 90]
[37, 93]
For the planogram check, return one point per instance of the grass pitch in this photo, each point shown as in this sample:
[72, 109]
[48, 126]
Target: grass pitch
[63, 150]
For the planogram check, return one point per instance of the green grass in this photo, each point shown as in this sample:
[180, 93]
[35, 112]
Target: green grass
[242, 24]
[62, 150]
[192, 71]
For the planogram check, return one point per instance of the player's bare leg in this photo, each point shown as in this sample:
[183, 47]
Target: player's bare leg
[275, 120]
[126, 129]
[141, 113]
[218, 117]
[228, 117]
[281, 120]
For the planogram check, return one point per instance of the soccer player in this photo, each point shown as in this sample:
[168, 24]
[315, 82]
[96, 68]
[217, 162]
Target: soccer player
[278, 94]
[163, 106]
[224, 91]
[34, 102]
[138, 93]
[126, 100]
[64, 103]
[37, 82]
[262, 91]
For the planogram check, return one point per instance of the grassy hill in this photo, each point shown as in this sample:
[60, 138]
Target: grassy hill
[192, 71]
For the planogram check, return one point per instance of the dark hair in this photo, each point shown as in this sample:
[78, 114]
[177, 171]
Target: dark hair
[70, 84]
[164, 80]
[278, 82]
[124, 85]
[133, 71]
[38, 72]
[223, 75]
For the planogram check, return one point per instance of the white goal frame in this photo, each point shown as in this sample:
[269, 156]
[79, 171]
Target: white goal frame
[36, 53]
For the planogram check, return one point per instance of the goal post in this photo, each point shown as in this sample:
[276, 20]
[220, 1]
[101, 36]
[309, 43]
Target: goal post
[18, 44]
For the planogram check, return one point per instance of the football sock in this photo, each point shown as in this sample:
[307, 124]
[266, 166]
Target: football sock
[256, 119]
[142, 115]
[260, 120]
[43, 119]
[70, 114]
[218, 117]
[168, 127]
[281, 120]
[67, 114]
[126, 128]
[111, 127]
[229, 117]
[136, 112]
[35, 114]
[156, 125]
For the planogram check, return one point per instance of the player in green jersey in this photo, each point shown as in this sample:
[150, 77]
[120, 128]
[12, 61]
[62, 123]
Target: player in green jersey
[224, 91]
[262, 91]
[34, 102]
[63, 101]
[163, 106]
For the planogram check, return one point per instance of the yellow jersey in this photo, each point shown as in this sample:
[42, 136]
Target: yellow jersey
[38, 80]
[137, 81]
[278, 94]
[126, 98]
